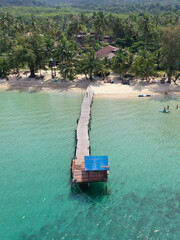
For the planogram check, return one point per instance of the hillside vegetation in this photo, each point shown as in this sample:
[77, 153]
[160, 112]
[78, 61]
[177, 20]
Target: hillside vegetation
[21, 3]
[110, 2]
[115, 6]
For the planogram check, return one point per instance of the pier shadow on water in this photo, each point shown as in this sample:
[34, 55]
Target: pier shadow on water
[93, 190]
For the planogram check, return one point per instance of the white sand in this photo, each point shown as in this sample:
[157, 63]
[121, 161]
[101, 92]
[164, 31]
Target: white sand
[101, 89]
[117, 90]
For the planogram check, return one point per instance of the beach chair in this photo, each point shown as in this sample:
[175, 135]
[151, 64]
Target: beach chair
[125, 82]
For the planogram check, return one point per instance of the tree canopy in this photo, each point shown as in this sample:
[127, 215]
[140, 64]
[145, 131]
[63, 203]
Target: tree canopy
[22, 3]
[146, 43]
[171, 50]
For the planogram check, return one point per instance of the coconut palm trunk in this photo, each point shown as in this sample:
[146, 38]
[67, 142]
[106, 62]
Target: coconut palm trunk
[32, 72]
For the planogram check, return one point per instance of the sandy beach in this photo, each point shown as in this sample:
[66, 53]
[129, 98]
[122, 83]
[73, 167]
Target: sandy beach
[117, 90]
[101, 89]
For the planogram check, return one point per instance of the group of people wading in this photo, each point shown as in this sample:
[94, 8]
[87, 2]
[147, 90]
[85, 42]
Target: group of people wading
[168, 108]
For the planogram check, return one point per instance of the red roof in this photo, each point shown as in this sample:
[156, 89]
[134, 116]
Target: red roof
[107, 51]
[29, 34]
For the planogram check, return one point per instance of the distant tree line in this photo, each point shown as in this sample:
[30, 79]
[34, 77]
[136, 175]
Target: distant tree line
[113, 6]
[126, 7]
[21, 3]
[147, 44]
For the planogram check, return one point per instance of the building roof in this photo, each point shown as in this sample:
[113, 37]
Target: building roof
[96, 163]
[107, 51]
[110, 55]
[28, 34]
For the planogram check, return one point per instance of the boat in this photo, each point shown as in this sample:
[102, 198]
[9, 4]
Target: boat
[147, 95]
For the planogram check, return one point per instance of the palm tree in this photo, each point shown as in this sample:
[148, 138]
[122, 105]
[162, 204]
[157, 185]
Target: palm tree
[100, 26]
[66, 55]
[62, 50]
[144, 65]
[90, 64]
[51, 29]
[68, 69]
[34, 25]
[145, 28]
[105, 67]
[5, 40]
[122, 62]
[6, 22]
[6, 28]
[117, 27]
[75, 27]
[19, 27]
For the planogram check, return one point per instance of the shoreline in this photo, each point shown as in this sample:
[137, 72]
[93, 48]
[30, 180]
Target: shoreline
[102, 95]
[101, 89]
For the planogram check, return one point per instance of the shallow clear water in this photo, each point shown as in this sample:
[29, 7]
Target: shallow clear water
[36, 147]
[143, 146]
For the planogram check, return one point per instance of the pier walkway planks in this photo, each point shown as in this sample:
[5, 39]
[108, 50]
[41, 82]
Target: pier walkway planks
[82, 133]
[83, 145]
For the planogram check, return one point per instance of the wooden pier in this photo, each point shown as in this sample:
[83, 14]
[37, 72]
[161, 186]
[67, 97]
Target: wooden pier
[79, 172]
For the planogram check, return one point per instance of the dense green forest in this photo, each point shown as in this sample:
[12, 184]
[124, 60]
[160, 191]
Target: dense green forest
[21, 3]
[147, 34]
[117, 6]
[110, 2]
[147, 44]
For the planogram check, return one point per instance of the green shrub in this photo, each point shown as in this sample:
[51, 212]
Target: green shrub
[4, 67]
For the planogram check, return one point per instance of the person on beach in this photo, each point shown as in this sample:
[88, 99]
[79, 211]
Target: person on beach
[167, 107]
[177, 106]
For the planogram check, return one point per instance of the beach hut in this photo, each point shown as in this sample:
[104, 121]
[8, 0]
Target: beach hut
[94, 169]
[108, 51]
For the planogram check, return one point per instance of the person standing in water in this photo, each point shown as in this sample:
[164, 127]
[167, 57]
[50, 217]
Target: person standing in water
[177, 106]
[167, 107]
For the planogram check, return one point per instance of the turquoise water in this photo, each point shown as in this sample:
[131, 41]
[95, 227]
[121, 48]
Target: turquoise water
[36, 147]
